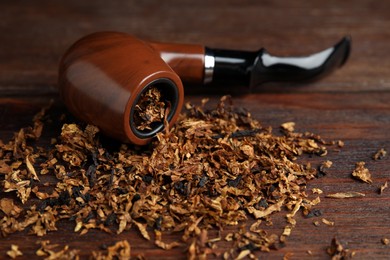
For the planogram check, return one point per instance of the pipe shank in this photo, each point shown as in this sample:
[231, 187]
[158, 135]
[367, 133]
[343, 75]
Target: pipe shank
[187, 60]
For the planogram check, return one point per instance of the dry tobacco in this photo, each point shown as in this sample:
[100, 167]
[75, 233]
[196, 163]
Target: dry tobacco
[337, 251]
[14, 252]
[323, 168]
[51, 252]
[345, 195]
[215, 168]
[150, 109]
[327, 222]
[383, 187]
[120, 250]
[362, 173]
[316, 191]
[380, 154]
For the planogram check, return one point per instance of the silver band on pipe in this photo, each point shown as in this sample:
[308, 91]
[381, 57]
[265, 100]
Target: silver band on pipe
[209, 63]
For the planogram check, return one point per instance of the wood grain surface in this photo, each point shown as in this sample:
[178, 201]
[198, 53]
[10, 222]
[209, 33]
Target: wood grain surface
[351, 105]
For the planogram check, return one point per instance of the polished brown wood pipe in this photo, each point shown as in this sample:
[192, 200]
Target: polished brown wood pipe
[187, 60]
[103, 75]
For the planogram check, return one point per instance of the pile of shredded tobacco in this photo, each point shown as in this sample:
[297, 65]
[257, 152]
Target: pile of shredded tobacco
[215, 168]
[149, 109]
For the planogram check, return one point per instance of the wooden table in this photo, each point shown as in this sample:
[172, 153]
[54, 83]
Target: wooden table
[351, 105]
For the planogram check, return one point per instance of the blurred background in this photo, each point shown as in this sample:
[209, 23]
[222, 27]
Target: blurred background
[34, 34]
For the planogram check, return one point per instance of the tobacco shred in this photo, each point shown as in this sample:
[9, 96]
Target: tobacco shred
[345, 195]
[337, 251]
[380, 154]
[288, 126]
[214, 168]
[340, 143]
[316, 191]
[14, 252]
[362, 173]
[327, 222]
[383, 187]
[323, 168]
[120, 250]
[51, 252]
[288, 256]
[9, 208]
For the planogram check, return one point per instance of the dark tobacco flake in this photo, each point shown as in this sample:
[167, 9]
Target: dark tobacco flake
[128, 169]
[314, 213]
[250, 246]
[181, 187]
[166, 179]
[91, 174]
[263, 203]
[95, 158]
[203, 180]
[76, 192]
[121, 191]
[136, 197]
[111, 179]
[64, 198]
[110, 220]
[87, 197]
[235, 182]
[91, 215]
[158, 223]
[147, 178]
[256, 169]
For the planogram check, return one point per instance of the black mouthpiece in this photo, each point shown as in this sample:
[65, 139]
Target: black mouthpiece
[254, 68]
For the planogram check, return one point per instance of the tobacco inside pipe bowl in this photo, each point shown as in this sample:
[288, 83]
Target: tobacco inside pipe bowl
[168, 104]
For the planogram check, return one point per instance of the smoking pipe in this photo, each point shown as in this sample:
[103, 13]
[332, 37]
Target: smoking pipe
[103, 75]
